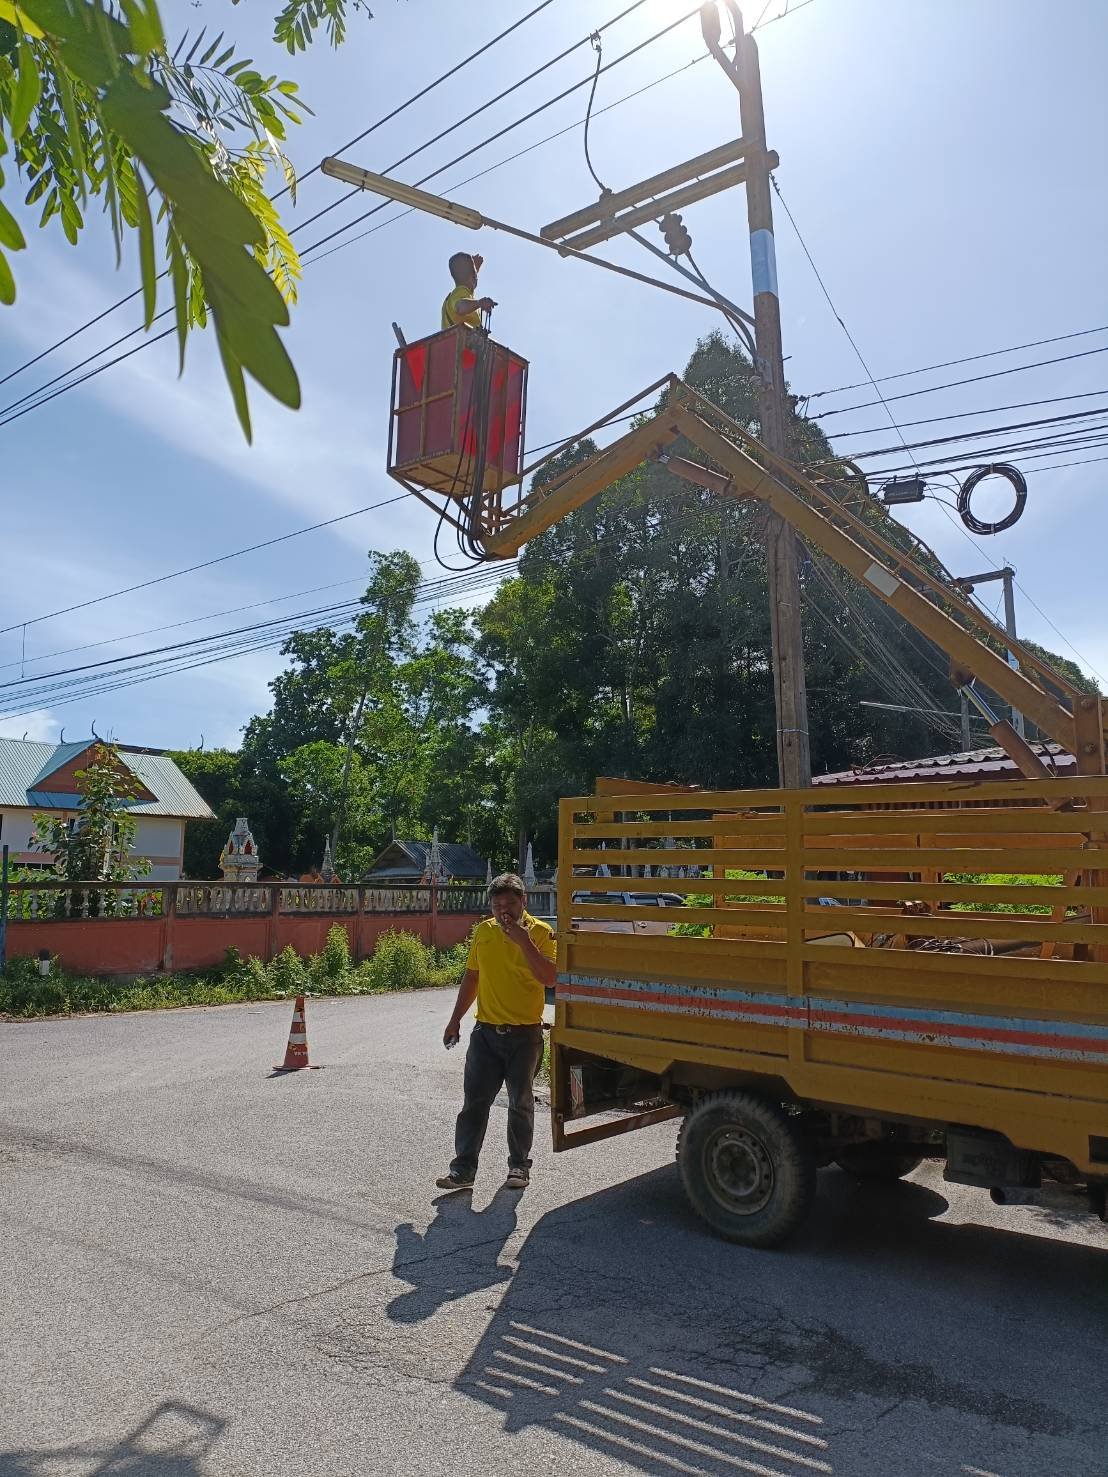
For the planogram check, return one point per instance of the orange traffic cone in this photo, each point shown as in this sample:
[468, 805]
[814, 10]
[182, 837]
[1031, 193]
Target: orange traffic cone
[296, 1052]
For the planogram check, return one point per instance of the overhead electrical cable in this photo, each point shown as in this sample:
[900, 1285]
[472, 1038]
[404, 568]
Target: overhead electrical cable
[161, 579]
[357, 139]
[976, 379]
[885, 379]
[517, 123]
[20, 407]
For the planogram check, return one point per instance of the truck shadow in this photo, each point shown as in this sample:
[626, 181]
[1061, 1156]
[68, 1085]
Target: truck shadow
[630, 1329]
[172, 1441]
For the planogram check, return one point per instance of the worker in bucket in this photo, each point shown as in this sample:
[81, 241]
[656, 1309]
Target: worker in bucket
[461, 305]
[511, 965]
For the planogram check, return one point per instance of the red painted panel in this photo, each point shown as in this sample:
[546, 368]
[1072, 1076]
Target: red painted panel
[455, 928]
[201, 943]
[96, 946]
[307, 935]
[134, 945]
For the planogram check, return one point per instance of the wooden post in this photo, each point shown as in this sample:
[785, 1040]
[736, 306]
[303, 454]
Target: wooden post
[794, 757]
[434, 920]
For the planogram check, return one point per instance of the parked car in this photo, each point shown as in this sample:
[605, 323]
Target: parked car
[624, 900]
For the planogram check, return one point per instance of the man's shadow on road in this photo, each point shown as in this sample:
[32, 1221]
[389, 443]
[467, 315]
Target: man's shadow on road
[458, 1254]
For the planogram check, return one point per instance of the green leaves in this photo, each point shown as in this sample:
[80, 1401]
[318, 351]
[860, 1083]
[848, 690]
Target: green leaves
[297, 23]
[146, 253]
[27, 90]
[7, 282]
[216, 228]
[11, 234]
[94, 105]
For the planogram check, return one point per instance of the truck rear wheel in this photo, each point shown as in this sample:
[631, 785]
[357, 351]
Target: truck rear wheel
[878, 1162]
[745, 1167]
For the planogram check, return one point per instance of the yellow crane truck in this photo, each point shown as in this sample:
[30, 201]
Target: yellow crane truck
[951, 1004]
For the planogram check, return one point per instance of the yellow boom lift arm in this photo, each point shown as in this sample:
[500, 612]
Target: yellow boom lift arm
[741, 467]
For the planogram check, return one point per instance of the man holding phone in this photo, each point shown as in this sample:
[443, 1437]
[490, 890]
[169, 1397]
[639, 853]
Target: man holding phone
[511, 964]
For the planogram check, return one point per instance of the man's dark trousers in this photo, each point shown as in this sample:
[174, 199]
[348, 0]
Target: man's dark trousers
[496, 1057]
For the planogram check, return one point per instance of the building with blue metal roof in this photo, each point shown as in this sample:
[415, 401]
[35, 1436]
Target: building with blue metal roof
[38, 778]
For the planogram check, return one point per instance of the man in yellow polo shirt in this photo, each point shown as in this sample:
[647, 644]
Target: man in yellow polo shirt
[510, 966]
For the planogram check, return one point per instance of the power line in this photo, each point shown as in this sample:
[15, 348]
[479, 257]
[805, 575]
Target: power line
[205, 652]
[518, 122]
[1057, 466]
[205, 564]
[511, 158]
[500, 96]
[192, 620]
[428, 589]
[1052, 420]
[386, 118]
[881, 400]
[19, 407]
[951, 363]
[956, 384]
[958, 415]
[1025, 450]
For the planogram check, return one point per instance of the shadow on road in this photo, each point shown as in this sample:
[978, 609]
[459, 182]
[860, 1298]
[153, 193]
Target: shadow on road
[171, 1442]
[630, 1329]
[459, 1253]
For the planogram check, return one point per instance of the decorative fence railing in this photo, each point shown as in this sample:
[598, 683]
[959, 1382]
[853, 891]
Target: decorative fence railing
[133, 927]
[33, 902]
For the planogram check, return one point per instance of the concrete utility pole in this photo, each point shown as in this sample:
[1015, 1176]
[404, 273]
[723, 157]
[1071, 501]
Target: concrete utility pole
[794, 757]
[1008, 575]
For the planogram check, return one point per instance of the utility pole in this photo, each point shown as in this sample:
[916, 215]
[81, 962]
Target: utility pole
[794, 757]
[1007, 575]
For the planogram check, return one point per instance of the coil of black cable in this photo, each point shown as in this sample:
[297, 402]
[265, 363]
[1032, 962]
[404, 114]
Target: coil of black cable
[965, 494]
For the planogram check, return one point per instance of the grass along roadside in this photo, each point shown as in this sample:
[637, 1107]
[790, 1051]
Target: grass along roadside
[400, 962]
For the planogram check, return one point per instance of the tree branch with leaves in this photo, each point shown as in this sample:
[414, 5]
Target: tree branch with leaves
[176, 145]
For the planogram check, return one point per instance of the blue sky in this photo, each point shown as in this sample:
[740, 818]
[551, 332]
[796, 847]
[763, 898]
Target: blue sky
[944, 161]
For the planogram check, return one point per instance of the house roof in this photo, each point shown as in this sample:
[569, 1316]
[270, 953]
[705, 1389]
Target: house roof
[977, 764]
[410, 858]
[25, 764]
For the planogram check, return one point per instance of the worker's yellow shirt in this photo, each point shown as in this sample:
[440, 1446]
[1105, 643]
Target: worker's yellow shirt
[449, 309]
[508, 994]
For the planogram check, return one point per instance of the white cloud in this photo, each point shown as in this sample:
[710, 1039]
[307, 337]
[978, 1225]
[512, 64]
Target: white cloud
[322, 460]
[41, 724]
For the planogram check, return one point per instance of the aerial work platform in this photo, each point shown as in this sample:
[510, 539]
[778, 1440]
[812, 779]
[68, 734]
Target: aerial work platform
[459, 405]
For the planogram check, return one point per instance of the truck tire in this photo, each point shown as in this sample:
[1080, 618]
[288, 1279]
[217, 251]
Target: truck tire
[878, 1162]
[745, 1167]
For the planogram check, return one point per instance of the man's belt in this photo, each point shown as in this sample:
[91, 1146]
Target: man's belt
[508, 1030]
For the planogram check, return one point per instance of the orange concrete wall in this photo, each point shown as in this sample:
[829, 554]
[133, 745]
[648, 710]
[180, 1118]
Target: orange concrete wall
[147, 945]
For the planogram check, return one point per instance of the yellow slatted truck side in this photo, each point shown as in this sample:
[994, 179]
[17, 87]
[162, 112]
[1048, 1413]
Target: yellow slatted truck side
[802, 1015]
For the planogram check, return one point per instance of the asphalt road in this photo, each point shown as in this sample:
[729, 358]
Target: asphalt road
[207, 1270]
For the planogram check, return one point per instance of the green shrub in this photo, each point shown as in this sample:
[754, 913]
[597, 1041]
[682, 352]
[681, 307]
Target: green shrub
[331, 968]
[288, 973]
[400, 962]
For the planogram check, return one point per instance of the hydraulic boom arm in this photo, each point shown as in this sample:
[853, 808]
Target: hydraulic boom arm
[741, 467]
